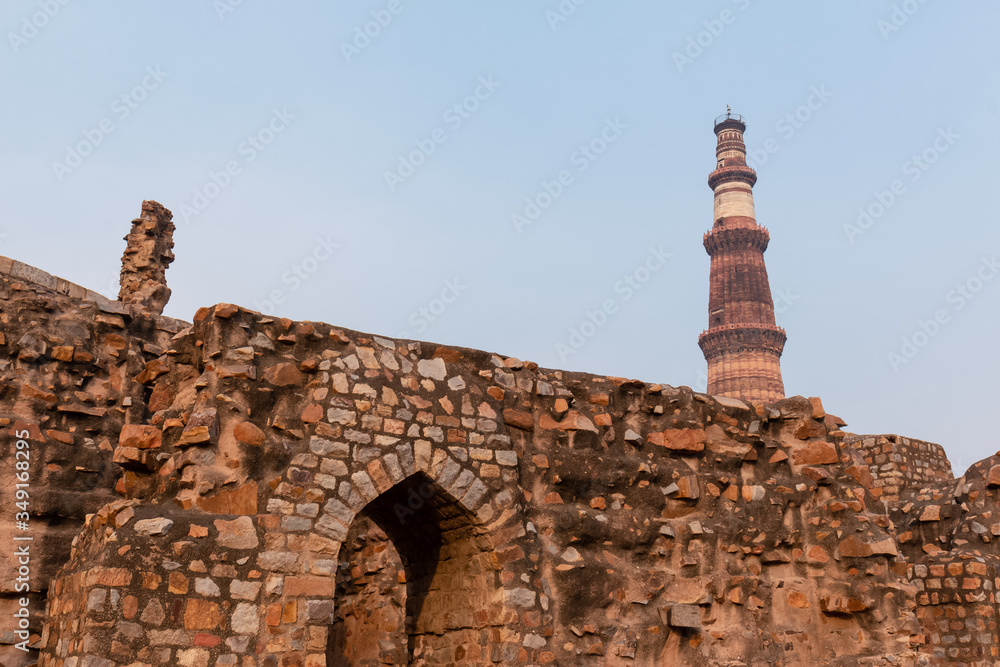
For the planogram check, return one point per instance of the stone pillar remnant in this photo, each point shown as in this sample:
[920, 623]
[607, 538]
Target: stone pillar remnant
[148, 253]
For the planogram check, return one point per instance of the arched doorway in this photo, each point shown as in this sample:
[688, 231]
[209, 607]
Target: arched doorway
[416, 544]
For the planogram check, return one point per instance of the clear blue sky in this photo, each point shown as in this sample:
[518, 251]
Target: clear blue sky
[162, 95]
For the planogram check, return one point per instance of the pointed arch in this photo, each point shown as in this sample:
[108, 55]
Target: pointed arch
[450, 583]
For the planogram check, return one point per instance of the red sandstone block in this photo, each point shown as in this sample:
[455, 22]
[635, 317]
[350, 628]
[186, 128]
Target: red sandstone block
[307, 585]
[681, 439]
[201, 615]
[114, 576]
[203, 639]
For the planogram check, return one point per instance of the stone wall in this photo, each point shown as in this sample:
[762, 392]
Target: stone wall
[947, 532]
[958, 607]
[899, 463]
[67, 361]
[292, 429]
[540, 517]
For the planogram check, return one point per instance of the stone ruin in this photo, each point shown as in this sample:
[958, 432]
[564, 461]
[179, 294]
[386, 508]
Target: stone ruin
[245, 490]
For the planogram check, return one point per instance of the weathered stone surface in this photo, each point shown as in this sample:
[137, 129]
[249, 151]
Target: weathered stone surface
[432, 368]
[519, 419]
[237, 534]
[853, 547]
[283, 375]
[815, 453]
[148, 253]
[572, 421]
[245, 619]
[680, 440]
[159, 526]
[685, 616]
[249, 434]
[242, 500]
[140, 436]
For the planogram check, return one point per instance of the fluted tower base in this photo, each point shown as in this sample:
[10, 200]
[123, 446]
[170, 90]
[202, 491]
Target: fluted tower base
[744, 362]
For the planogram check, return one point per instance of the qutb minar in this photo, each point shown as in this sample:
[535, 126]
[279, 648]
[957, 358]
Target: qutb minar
[742, 344]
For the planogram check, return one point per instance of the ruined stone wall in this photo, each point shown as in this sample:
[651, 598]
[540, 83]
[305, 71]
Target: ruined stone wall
[288, 431]
[958, 607]
[540, 517]
[899, 463]
[67, 359]
[253, 491]
[948, 531]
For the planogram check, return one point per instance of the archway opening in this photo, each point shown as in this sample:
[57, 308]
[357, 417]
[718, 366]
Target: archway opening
[417, 583]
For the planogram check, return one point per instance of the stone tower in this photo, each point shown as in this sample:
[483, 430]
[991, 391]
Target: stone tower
[742, 343]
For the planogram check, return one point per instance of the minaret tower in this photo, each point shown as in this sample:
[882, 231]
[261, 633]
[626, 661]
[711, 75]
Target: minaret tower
[742, 343]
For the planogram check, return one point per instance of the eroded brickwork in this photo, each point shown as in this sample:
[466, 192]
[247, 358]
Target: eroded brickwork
[957, 607]
[540, 516]
[68, 358]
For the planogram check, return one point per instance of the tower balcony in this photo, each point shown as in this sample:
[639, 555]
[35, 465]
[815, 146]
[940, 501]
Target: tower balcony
[740, 173]
[743, 337]
[730, 121]
[736, 238]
